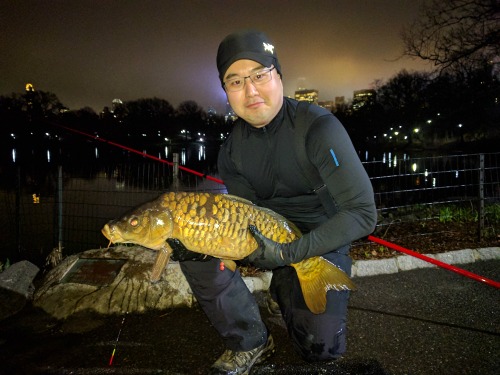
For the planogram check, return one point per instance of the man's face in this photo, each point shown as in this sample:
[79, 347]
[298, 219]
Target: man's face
[256, 104]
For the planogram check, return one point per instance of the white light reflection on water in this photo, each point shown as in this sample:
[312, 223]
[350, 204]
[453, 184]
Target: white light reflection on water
[96, 153]
[48, 156]
[166, 152]
[387, 158]
[14, 154]
[201, 152]
[183, 156]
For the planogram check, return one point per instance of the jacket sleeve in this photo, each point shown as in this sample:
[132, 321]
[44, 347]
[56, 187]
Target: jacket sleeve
[331, 151]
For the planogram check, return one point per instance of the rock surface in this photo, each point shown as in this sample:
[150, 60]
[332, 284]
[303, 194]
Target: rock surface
[128, 291]
[16, 287]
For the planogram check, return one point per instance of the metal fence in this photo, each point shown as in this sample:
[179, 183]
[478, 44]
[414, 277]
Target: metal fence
[62, 207]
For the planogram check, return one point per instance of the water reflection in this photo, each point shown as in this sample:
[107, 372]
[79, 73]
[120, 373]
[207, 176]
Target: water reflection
[201, 152]
[183, 156]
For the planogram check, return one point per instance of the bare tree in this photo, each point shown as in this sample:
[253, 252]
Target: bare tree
[451, 33]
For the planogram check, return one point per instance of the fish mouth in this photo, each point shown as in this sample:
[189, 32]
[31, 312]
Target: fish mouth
[112, 236]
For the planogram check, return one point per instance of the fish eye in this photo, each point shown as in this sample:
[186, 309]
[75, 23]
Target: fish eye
[134, 222]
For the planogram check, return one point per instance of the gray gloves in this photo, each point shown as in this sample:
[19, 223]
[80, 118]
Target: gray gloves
[270, 254]
[181, 254]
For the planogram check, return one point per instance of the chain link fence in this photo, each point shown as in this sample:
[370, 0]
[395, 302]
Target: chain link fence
[50, 206]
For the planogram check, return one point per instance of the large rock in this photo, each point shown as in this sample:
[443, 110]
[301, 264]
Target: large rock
[16, 287]
[85, 282]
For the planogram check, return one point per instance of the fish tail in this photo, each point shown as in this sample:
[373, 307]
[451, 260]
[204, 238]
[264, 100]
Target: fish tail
[316, 277]
[161, 262]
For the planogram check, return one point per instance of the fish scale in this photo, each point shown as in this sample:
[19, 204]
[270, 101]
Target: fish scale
[217, 225]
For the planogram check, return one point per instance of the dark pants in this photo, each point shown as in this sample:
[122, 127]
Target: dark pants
[234, 313]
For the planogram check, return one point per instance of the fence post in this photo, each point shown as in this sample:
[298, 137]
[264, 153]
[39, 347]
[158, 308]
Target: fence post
[481, 198]
[18, 209]
[60, 207]
[175, 172]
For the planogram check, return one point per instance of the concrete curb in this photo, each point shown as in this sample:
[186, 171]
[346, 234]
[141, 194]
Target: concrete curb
[363, 268]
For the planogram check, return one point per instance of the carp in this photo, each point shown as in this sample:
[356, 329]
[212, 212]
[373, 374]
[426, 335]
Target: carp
[217, 225]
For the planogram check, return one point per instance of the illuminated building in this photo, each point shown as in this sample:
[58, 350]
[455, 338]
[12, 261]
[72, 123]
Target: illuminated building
[327, 104]
[307, 95]
[362, 98]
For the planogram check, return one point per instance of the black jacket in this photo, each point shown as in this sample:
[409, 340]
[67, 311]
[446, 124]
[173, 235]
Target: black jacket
[270, 176]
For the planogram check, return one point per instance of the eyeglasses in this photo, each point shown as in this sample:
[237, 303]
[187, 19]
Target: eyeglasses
[257, 78]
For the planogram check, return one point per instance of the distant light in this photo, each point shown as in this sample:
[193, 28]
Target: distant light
[414, 167]
[416, 130]
[460, 125]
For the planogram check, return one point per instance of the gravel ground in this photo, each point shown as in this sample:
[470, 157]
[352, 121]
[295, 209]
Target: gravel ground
[427, 321]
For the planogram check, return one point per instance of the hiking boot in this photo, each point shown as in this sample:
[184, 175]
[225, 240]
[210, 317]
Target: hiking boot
[240, 363]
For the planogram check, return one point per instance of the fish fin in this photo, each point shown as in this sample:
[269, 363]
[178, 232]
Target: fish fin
[317, 276]
[231, 264]
[161, 262]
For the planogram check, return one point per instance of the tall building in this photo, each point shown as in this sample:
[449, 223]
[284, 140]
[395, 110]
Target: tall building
[308, 95]
[327, 104]
[362, 98]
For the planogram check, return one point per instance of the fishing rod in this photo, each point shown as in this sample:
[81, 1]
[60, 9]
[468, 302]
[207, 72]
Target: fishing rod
[97, 138]
[436, 262]
[380, 241]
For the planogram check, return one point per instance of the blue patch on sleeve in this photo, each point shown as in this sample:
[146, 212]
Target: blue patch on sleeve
[334, 157]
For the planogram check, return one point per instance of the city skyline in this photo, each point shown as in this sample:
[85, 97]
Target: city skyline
[90, 53]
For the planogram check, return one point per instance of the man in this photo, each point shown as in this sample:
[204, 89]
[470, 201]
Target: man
[259, 162]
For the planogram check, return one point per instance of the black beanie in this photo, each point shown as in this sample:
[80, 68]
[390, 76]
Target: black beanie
[248, 44]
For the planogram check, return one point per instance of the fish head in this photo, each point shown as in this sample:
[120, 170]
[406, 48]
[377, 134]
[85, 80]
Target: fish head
[148, 225]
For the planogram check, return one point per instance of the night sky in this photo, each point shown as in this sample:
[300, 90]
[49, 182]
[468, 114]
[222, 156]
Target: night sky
[91, 52]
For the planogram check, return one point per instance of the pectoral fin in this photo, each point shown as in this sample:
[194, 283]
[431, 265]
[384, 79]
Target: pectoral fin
[161, 262]
[230, 264]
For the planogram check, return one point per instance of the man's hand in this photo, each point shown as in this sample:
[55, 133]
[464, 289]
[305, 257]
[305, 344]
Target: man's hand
[269, 254]
[181, 254]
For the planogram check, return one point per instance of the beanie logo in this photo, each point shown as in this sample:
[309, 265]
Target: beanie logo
[268, 47]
